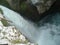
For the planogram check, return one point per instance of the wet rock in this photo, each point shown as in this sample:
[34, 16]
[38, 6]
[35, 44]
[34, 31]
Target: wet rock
[42, 5]
[4, 3]
[30, 12]
[26, 9]
[14, 4]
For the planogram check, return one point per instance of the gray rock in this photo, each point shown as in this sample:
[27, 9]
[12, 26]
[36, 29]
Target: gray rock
[42, 5]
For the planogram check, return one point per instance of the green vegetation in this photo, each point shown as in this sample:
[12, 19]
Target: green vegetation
[26, 41]
[5, 23]
[18, 41]
[1, 11]
[4, 3]
[23, 6]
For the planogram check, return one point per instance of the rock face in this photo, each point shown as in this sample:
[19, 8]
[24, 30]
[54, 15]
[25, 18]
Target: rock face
[26, 9]
[14, 4]
[4, 3]
[30, 9]
[30, 12]
[42, 5]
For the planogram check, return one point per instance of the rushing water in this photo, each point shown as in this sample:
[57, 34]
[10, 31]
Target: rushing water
[47, 33]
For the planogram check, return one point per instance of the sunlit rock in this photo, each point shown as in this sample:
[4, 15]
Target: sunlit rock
[10, 34]
[43, 5]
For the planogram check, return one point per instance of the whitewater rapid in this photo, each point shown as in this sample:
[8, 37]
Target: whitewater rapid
[47, 33]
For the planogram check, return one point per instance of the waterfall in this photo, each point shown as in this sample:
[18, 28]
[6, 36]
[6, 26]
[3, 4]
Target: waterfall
[47, 33]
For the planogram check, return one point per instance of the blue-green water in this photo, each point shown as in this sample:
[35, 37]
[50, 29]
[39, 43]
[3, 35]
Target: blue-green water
[47, 33]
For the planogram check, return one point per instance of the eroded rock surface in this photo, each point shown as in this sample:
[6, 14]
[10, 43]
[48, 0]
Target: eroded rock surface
[42, 5]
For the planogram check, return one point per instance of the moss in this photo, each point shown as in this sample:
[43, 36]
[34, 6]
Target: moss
[16, 41]
[4, 3]
[19, 41]
[26, 41]
[5, 23]
[23, 6]
[1, 11]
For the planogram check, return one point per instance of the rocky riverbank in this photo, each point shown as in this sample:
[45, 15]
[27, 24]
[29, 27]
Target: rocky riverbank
[10, 35]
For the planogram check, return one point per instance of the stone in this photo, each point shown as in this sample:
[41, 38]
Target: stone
[43, 5]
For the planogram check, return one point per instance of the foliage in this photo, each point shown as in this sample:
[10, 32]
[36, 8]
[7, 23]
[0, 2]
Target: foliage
[4, 3]
[23, 6]
[1, 11]
[5, 23]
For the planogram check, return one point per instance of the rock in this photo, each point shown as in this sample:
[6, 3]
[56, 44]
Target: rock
[25, 8]
[4, 3]
[42, 5]
[29, 12]
[14, 4]
[30, 9]
[10, 35]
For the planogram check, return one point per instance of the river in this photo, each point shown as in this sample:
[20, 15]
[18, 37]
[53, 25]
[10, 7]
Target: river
[47, 33]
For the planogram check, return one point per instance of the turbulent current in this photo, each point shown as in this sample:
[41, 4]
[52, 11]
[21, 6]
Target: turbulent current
[46, 33]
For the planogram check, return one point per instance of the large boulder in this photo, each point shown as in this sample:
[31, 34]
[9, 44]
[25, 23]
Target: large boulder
[42, 5]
